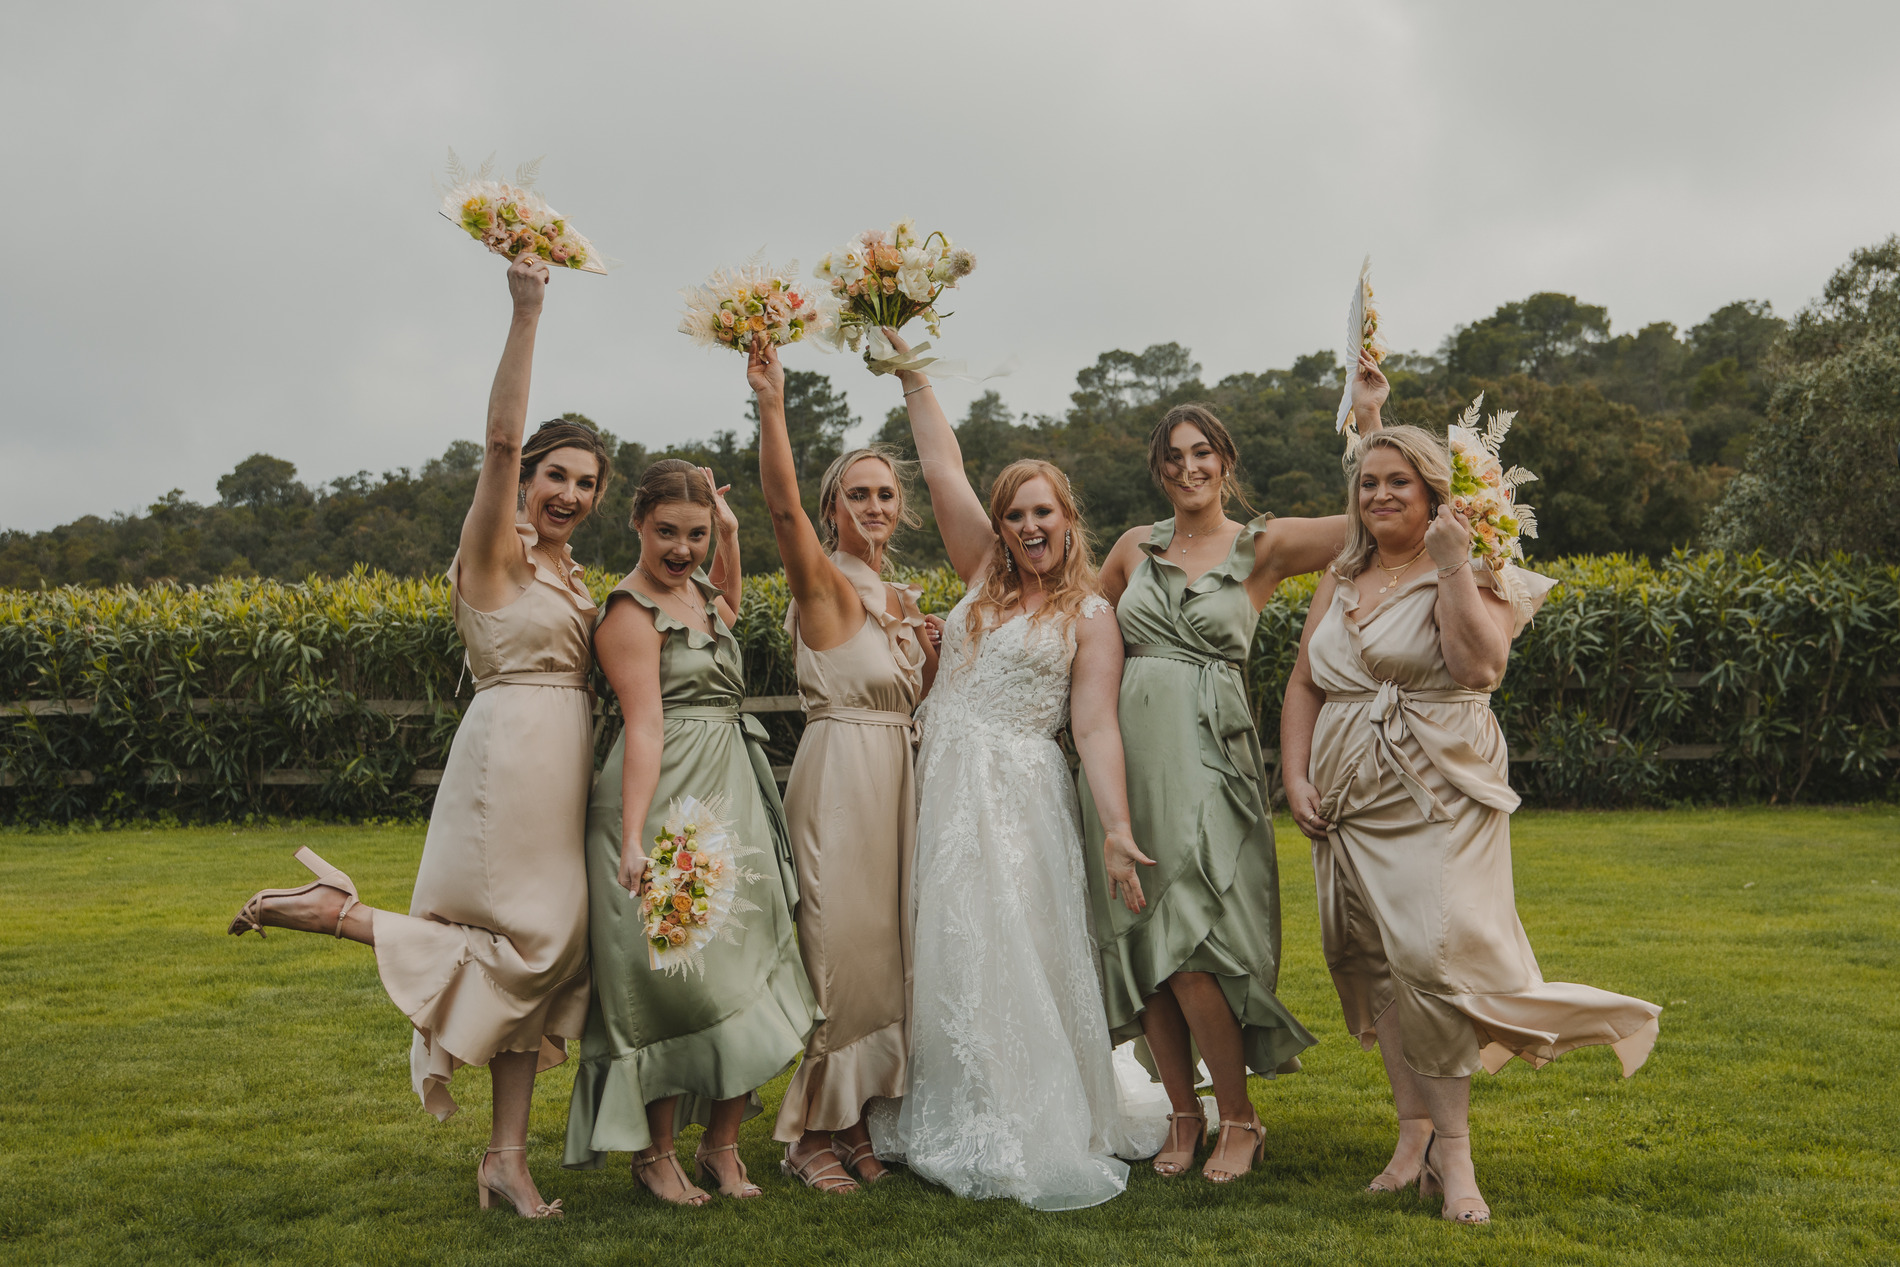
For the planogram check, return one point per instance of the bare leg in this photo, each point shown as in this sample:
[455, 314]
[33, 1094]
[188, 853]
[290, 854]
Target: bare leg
[316, 911]
[1450, 1102]
[512, 1075]
[1415, 1118]
[852, 1141]
[717, 1151]
[658, 1167]
[1166, 1030]
[1217, 1034]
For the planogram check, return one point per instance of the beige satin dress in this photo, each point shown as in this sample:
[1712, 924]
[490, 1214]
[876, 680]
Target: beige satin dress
[851, 804]
[1415, 892]
[492, 956]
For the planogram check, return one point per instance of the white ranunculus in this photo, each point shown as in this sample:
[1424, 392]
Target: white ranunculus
[915, 283]
[824, 267]
[903, 232]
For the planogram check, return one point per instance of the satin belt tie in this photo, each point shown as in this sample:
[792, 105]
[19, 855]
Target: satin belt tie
[1393, 717]
[572, 681]
[727, 712]
[1226, 717]
[865, 717]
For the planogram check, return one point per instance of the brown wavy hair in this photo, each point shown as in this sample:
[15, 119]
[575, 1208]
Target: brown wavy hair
[559, 433]
[1218, 438]
[1428, 457]
[1002, 587]
[669, 480]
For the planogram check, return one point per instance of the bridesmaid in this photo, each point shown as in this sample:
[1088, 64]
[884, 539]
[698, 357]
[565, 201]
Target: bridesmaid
[1397, 770]
[490, 964]
[864, 661]
[1195, 972]
[662, 1051]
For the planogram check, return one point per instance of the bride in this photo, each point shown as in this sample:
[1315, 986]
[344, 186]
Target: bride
[1012, 1088]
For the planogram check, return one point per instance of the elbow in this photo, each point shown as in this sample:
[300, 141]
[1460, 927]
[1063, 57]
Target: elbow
[503, 445]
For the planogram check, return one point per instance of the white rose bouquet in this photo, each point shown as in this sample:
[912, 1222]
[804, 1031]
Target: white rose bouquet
[511, 220]
[885, 278]
[693, 878]
[737, 306]
[1485, 493]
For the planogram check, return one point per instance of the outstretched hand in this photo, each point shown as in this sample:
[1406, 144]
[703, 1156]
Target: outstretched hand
[1369, 387]
[528, 283]
[763, 371]
[1120, 856]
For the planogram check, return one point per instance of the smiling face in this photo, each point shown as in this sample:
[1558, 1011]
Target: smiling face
[1192, 472]
[560, 493]
[675, 537]
[1394, 502]
[869, 505]
[1034, 527]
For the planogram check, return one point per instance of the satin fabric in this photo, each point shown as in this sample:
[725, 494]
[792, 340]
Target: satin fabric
[1415, 891]
[702, 1036]
[492, 956]
[1197, 804]
[851, 807]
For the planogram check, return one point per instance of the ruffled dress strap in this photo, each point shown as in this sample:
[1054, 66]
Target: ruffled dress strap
[903, 632]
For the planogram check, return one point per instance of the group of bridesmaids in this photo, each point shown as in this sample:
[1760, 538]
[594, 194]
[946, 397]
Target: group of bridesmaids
[525, 930]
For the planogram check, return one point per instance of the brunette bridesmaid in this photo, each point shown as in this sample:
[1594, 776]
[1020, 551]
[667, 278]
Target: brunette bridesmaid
[1397, 770]
[662, 1051]
[864, 660]
[490, 964]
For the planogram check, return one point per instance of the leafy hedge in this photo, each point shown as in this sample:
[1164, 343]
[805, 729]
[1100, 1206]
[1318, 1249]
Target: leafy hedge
[257, 697]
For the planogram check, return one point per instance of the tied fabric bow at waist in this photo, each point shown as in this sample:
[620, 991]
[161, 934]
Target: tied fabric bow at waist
[1393, 713]
[565, 680]
[866, 717]
[729, 713]
[1226, 720]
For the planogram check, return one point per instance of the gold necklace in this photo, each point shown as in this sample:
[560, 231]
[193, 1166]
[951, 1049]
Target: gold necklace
[1190, 536]
[1395, 573]
[668, 591]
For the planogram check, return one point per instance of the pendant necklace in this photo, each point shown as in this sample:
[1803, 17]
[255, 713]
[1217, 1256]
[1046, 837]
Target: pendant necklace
[669, 592]
[1395, 573]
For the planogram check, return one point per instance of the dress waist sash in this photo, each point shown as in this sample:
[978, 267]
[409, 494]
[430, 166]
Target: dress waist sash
[865, 717]
[1393, 716]
[1226, 728]
[573, 681]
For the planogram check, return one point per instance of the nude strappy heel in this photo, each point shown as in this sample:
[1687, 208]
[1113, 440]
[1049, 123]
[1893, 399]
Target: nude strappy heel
[1254, 1154]
[1387, 1182]
[689, 1195]
[852, 1156]
[251, 916]
[1170, 1162]
[487, 1192]
[820, 1172]
[1468, 1210]
[742, 1188]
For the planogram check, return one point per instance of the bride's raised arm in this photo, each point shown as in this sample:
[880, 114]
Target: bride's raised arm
[961, 518]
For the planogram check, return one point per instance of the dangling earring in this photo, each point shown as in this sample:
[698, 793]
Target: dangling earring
[521, 498]
[1068, 543]
[1009, 558]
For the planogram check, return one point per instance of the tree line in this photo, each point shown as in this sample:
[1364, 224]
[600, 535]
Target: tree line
[1744, 431]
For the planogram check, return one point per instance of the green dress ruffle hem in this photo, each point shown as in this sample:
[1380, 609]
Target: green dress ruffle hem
[1198, 805]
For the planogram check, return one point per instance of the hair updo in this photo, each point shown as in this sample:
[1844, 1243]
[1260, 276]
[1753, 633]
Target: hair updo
[669, 480]
[559, 433]
[1218, 439]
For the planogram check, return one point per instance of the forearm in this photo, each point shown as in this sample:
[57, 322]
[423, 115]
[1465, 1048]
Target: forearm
[731, 577]
[1475, 649]
[1100, 748]
[1366, 418]
[1299, 713]
[508, 395]
[639, 778]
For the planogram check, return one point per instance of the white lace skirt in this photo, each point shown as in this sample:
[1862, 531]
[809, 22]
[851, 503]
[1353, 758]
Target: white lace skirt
[1012, 1090]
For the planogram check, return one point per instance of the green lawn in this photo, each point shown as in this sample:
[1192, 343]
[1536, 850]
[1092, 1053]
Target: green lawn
[169, 1093]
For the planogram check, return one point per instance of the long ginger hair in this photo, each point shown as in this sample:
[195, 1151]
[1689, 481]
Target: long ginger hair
[1065, 589]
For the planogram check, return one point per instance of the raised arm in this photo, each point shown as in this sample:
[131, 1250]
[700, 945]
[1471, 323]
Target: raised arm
[726, 571]
[492, 567]
[1095, 688]
[961, 518]
[1369, 392]
[1292, 547]
[1299, 713]
[628, 649]
[825, 598]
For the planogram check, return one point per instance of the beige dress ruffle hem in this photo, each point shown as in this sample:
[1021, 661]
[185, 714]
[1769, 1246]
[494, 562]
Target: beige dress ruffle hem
[492, 956]
[1415, 892]
[851, 804]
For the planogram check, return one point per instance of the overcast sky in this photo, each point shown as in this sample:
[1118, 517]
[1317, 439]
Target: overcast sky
[226, 237]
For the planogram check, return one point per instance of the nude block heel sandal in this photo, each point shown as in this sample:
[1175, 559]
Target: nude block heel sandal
[251, 916]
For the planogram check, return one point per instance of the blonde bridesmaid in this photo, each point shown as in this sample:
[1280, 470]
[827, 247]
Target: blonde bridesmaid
[490, 964]
[864, 660]
[1397, 770]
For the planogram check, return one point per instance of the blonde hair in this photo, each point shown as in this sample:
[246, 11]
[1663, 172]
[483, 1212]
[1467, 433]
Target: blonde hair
[1219, 439]
[833, 484]
[1428, 457]
[1002, 588]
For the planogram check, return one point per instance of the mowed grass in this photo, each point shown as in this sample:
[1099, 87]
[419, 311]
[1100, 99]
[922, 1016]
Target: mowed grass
[168, 1093]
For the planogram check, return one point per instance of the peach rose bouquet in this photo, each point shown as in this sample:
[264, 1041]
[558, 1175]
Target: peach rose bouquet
[512, 220]
[692, 896]
[887, 277]
[1484, 492]
[736, 306]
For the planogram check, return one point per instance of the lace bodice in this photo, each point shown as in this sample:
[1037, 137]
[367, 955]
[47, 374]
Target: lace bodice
[1017, 682]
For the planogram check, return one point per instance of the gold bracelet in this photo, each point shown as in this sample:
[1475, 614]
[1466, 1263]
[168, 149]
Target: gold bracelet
[913, 391]
[1447, 571]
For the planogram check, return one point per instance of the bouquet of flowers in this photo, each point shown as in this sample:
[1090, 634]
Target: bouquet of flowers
[885, 278]
[512, 219]
[1485, 493]
[693, 892]
[1362, 335]
[738, 305]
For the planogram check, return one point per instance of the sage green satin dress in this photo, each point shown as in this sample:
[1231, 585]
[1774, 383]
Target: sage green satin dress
[730, 1030]
[1198, 804]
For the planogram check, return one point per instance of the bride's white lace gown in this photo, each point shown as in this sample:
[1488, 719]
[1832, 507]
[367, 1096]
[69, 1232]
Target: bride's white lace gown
[1012, 1091]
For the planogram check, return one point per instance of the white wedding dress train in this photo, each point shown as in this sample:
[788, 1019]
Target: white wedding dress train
[1013, 1090]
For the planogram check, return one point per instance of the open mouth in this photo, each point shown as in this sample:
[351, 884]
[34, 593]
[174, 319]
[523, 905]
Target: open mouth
[558, 516]
[1035, 549]
[677, 567]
